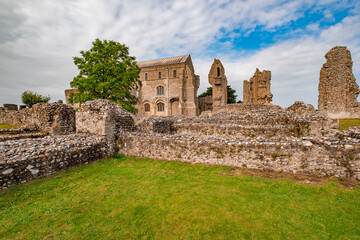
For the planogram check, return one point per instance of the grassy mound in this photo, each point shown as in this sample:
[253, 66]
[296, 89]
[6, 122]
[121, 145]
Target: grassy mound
[134, 198]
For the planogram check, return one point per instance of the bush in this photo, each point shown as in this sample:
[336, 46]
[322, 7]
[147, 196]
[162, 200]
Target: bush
[30, 98]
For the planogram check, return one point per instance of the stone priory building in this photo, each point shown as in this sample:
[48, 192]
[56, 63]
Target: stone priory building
[169, 87]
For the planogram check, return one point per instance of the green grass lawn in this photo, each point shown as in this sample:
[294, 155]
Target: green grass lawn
[7, 126]
[134, 198]
[346, 123]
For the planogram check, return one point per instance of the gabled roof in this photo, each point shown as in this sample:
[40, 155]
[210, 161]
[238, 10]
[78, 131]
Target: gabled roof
[163, 61]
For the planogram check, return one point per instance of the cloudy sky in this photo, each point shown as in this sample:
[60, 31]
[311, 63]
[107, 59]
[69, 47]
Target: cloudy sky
[38, 39]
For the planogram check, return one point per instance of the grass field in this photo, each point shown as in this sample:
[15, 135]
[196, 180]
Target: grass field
[7, 126]
[133, 198]
[346, 123]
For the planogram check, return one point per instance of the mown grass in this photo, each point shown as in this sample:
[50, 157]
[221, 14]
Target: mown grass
[134, 198]
[8, 126]
[346, 123]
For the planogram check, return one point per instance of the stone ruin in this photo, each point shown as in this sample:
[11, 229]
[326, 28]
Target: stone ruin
[297, 139]
[218, 81]
[267, 137]
[257, 89]
[338, 89]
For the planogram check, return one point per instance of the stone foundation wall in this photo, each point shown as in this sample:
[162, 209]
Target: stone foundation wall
[324, 156]
[30, 158]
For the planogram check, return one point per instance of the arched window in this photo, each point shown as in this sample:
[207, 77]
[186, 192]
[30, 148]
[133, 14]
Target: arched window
[160, 90]
[218, 71]
[159, 75]
[160, 107]
[147, 107]
[174, 73]
[146, 76]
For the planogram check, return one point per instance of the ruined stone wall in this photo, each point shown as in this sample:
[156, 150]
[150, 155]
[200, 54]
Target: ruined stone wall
[30, 158]
[338, 89]
[103, 117]
[323, 156]
[205, 104]
[257, 90]
[156, 124]
[218, 81]
[15, 116]
[54, 118]
[67, 96]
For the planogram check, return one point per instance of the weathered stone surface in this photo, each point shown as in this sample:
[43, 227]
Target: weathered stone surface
[156, 124]
[325, 156]
[257, 90]
[338, 89]
[205, 104]
[252, 120]
[302, 108]
[218, 81]
[8, 106]
[26, 159]
[54, 118]
[104, 118]
[57, 118]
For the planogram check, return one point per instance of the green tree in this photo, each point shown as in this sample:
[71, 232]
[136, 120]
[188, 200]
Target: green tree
[29, 98]
[231, 97]
[106, 72]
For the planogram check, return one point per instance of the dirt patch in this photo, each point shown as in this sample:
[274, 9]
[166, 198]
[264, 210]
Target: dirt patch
[299, 178]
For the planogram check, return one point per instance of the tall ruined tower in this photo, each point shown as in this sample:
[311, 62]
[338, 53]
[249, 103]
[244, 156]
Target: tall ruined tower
[218, 81]
[257, 89]
[337, 87]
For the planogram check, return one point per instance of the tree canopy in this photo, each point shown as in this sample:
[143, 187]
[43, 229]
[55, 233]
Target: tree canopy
[231, 97]
[30, 98]
[106, 72]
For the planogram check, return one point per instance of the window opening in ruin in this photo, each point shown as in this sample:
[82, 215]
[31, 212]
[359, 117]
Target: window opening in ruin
[159, 75]
[161, 107]
[174, 73]
[146, 76]
[147, 107]
[160, 90]
[218, 72]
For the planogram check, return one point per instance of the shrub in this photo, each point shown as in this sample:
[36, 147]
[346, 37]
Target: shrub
[30, 98]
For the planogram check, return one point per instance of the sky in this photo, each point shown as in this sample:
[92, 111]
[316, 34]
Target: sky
[38, 40]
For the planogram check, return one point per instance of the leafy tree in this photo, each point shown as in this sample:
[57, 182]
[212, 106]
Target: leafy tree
[29, 98]
[106, 72]
[231, 97]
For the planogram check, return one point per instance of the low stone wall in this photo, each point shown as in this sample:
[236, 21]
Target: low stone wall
[244, 120]
[324, 156]
[54, 118]
[30, 158]
[22, 116]
[156, 124]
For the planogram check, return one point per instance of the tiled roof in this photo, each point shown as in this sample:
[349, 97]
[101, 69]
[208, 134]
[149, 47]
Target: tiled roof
[163, 61]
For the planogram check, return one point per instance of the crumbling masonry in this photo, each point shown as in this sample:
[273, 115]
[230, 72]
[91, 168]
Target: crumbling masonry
[257, 90]
[337, 87]
[218, 81]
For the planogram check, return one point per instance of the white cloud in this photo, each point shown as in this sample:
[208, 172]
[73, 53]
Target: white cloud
[39, 38]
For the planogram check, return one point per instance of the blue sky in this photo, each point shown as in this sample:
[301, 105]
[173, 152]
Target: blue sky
[290, 38]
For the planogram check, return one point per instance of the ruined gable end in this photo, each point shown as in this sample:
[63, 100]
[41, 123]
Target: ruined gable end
[218, 81]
